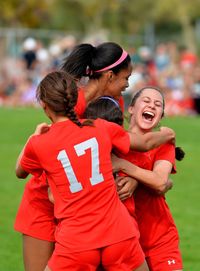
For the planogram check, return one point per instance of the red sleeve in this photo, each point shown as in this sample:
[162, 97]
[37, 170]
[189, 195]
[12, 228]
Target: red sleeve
[121, 103]
[119, 137]
[81, 103]
[29, 161]
[167, 152]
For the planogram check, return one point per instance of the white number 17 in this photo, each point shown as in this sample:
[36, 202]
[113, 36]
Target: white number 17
[96, 176]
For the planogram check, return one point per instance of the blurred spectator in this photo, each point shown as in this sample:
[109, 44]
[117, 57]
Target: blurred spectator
[29, 53]
[162, 59]
[175, 71]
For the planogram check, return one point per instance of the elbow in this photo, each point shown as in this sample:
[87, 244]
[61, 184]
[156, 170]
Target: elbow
[20, 174]
[161, 187]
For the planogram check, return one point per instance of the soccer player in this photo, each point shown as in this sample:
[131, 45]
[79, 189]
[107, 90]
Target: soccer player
[158, 233]
[35, 217]
[93, 225]
[101, 70]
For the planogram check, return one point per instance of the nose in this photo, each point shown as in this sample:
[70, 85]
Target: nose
[152, 105]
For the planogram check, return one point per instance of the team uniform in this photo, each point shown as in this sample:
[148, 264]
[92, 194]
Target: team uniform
[158, 233]
[35, 216]
[93, 224]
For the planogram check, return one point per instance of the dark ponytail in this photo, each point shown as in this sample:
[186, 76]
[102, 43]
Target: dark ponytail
[179, 153]
[79, 60]
[85, 59]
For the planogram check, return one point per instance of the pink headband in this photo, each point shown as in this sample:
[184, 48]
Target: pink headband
[120, 60]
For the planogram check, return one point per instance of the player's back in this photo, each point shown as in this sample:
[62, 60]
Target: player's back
[79, 170]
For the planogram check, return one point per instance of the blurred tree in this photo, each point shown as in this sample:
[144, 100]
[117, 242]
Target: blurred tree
[182, 11]
[66, 15]
[86, 16]
[29, 13]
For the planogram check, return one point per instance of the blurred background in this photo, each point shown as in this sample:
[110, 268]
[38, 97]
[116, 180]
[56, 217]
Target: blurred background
[163, 39]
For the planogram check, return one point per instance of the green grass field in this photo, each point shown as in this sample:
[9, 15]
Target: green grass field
[184, 200]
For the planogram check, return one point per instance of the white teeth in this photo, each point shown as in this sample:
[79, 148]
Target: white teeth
[149, 113]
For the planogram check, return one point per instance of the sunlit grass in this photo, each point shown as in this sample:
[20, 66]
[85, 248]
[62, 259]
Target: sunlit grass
[17, 124]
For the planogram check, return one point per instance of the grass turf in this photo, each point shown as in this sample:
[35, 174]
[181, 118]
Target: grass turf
[17, 124]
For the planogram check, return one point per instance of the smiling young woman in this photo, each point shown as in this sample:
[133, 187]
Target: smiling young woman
[160, 239]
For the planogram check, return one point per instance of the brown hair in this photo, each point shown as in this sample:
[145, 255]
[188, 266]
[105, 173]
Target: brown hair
[106, 108]
[58, 90]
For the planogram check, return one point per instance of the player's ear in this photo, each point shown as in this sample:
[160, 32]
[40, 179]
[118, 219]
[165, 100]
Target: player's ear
[109, 75]
[131, 110]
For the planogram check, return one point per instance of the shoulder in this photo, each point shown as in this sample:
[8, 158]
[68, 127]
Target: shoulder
[166, 147]
[110, 126]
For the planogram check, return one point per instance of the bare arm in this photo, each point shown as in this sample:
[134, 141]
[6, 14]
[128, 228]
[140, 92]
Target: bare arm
[151, 140]
[168, 186]
[20, 172]
[156, 179]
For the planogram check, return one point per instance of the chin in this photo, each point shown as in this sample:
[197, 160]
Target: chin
[147, 127]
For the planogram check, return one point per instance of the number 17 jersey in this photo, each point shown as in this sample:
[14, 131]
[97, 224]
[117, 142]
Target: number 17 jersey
[78, 167]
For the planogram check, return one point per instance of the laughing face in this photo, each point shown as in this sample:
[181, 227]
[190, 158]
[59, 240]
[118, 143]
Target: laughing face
[147, 109]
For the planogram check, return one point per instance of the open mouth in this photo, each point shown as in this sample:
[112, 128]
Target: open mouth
[147, 115]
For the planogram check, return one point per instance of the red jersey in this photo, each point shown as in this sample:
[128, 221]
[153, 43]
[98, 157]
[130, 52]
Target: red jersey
[154, 218]
[36, 189]
[121, 103]
[81, 103]
[78, 167]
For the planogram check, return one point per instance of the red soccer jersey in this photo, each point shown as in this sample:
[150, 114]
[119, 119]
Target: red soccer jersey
[36, 189]
[121, 103]
[40, 185]
[155, 221]
[81, 103]
[78, 167]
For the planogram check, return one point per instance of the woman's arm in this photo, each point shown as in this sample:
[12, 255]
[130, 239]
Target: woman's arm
[168, 186]
[151, 140]
[156, 179]
[20, 172]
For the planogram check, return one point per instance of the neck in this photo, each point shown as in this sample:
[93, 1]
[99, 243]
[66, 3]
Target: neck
[96, 87]
[92, 90]
[134, 128]
[52, 116]
[56, 118]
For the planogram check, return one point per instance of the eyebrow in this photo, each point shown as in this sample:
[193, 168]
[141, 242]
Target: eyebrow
[157, 101]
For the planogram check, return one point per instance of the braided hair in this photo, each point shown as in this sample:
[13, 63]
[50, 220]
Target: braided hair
[58, 90]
